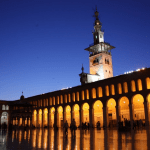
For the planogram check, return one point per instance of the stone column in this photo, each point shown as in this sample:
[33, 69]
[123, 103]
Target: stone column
[64, 115]
[146, 112]
[81, 115]
[118, 113]
[91, 115]
[55, 119]
[131, 113]
[105, 116]
[37, 119]
[48, 121]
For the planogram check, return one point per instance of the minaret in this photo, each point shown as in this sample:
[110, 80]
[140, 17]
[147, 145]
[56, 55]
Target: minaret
[100, 58]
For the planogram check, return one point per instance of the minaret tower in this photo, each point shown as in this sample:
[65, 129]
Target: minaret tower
[100, 58]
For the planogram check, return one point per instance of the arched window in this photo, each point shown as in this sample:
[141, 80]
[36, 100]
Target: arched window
[61, 99]
[87, 94]
[7, 107]
[69, 99]
[41, 102]
[53, 100]
[119, 88]
[65, 98]
[139, 83]
[112, 89]
[82, 95]
[57, 99]
[99, 92]
[73, 97]
[3, 107]
[107, 90]
[148, 83]
[133, 88]
[125, 87]
[93, 93]
[50, 101]
[77, 94]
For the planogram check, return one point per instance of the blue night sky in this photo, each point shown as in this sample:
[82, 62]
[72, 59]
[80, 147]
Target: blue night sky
[42, 42]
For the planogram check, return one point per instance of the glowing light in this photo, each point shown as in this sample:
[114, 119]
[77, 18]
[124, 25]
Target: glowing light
[138, 100]
[111, 103]
[124, 102]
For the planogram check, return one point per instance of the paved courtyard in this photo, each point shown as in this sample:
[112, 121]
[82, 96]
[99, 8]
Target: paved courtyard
[48, 139]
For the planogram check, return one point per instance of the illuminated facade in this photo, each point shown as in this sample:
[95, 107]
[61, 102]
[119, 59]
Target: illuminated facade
[108, 100]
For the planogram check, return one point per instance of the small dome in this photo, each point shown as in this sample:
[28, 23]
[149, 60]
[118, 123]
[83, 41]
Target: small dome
[21, 97]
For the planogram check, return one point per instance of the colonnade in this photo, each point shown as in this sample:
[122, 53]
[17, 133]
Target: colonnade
[108, 113]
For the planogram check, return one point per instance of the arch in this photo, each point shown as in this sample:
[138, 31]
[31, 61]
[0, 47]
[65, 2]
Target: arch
[85, 110]
[111, 113]
[87, 94]
[39, 118]
[4, 118]
[112, 87]
[123, 109]
[139, 85]
[3, 107]
[82, 95]
[60, 117]
[45, 117]
[107, 90]
[138, 107]
[52, 110]
[125, 87]
[93, 92]
[98, 112]
[99, 92]
[119, 88]
[148, 83]
[133, 88]
[34, 118]
[76, 115]
[68, 114]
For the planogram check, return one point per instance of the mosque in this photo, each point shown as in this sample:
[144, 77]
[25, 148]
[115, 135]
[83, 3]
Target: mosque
[100, 97]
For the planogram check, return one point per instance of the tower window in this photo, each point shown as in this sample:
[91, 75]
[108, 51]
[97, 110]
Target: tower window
[100, 36]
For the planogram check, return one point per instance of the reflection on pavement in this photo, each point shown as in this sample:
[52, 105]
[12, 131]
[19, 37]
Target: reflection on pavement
[49, 139]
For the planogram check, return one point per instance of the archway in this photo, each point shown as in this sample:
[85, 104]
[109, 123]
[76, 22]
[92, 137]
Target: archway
[98, 112]
[4, 118]
[34, 118]
[111, 113]
[85, 109]
[60, 117]
[40, 118]
[52, 116]
[75, 114]
[123, 109]
[138, 107]
[68, 114]
[45, 117]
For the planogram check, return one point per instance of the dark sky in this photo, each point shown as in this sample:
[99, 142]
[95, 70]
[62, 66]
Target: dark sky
[42, 42]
